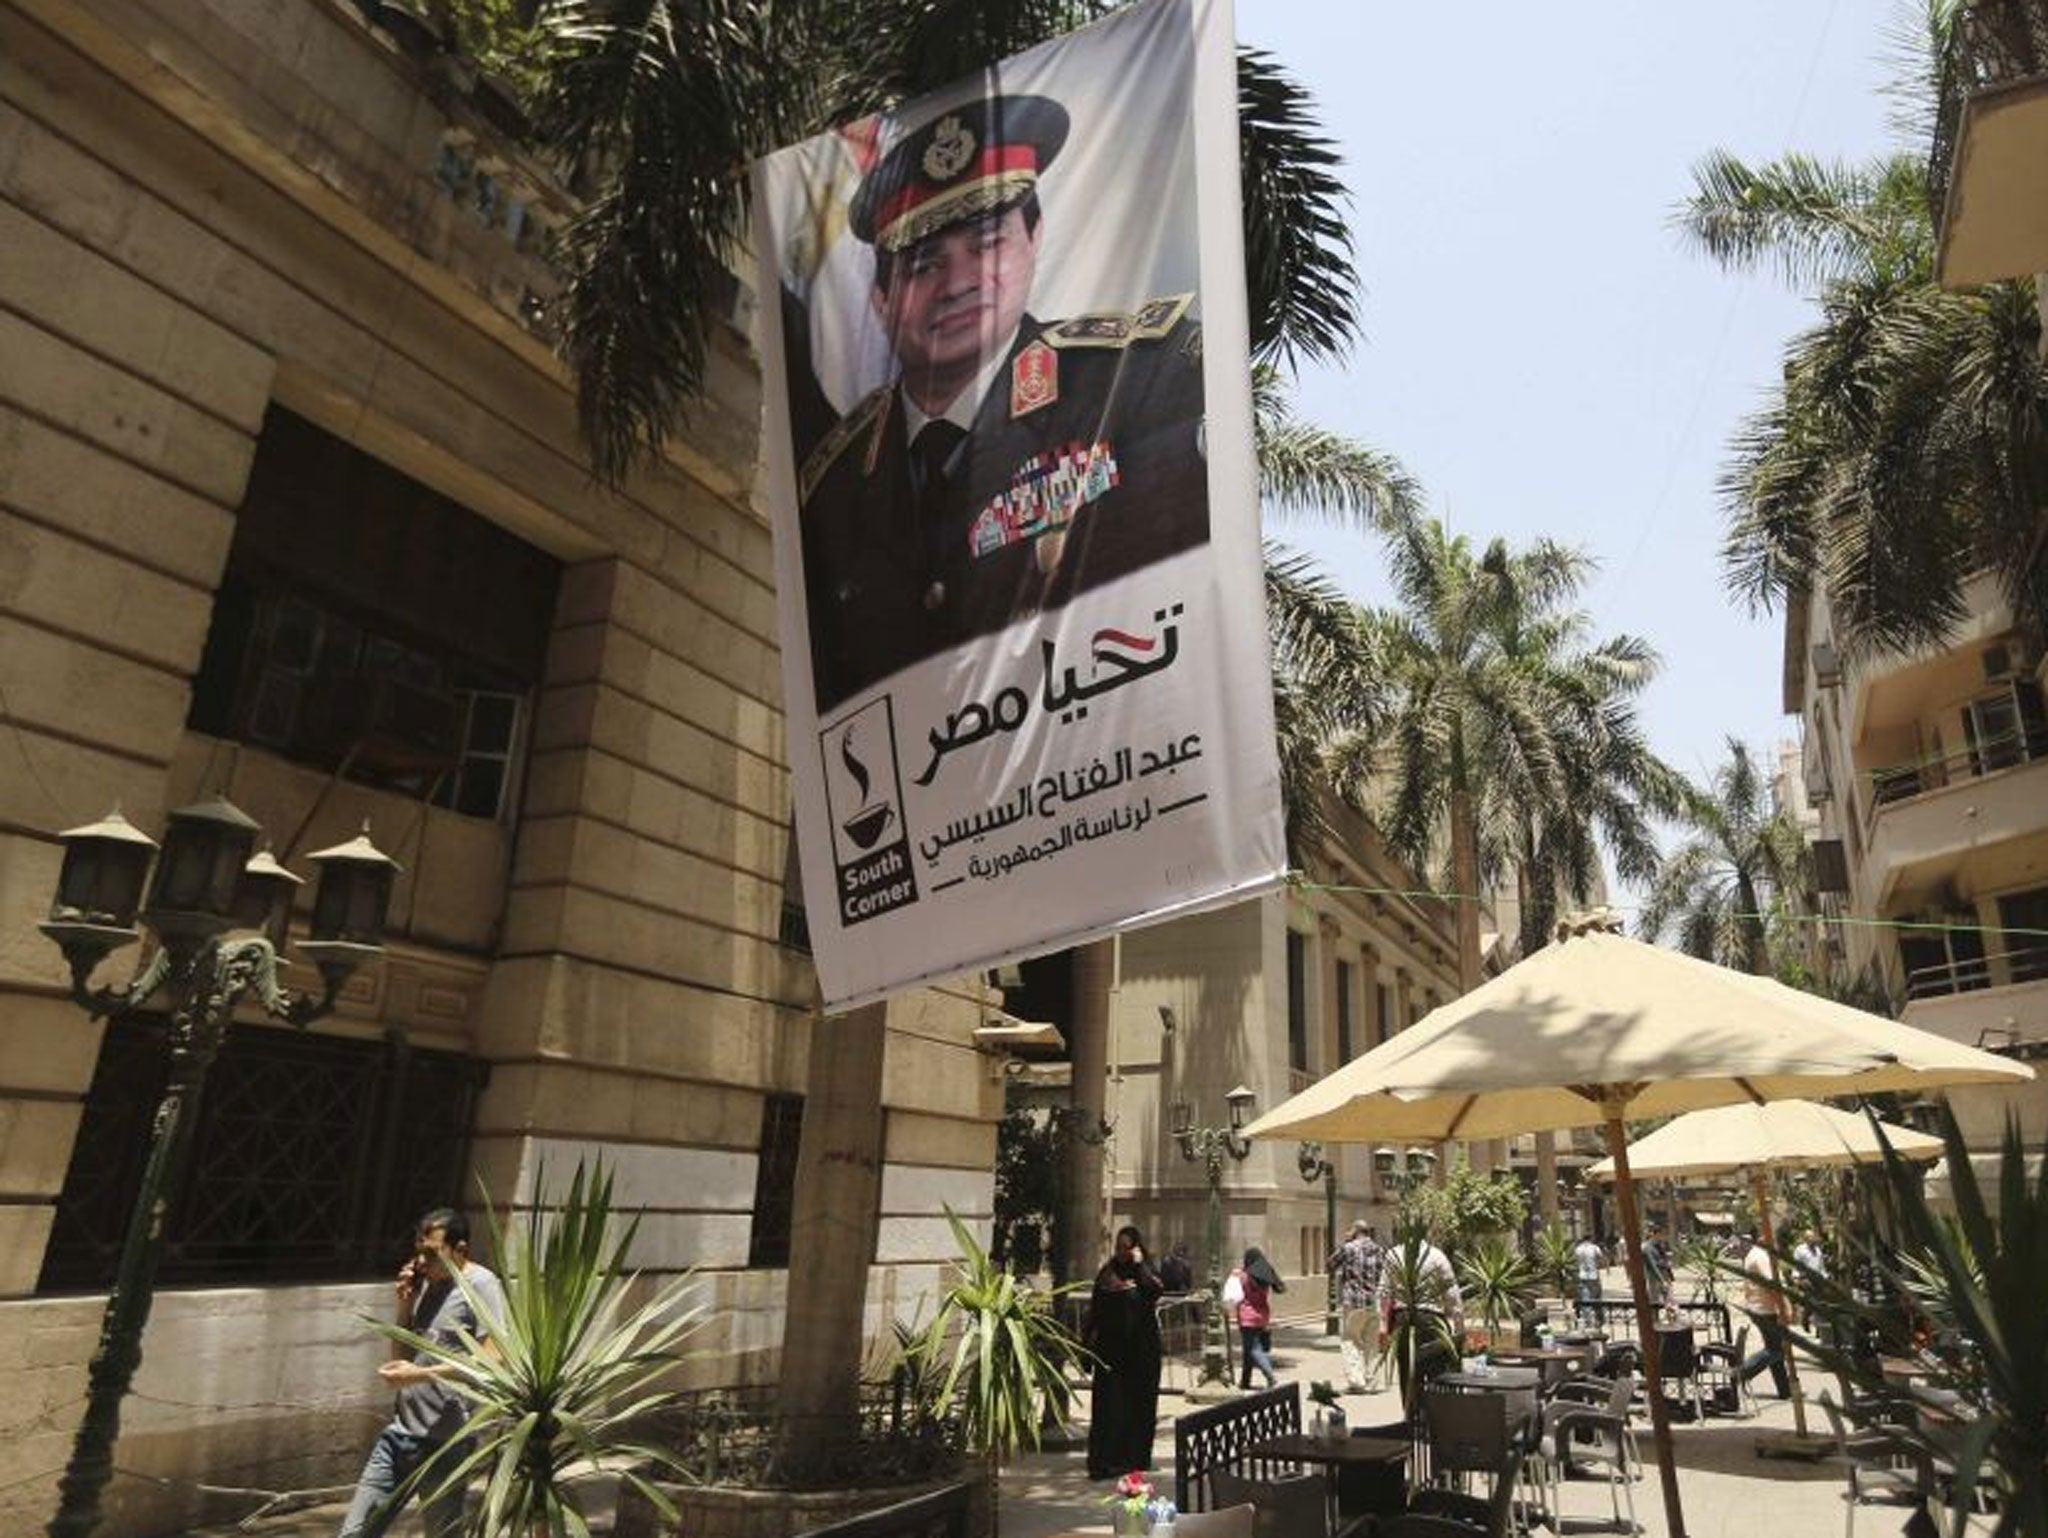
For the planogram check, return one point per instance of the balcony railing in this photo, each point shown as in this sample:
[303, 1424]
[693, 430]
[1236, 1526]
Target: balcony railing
[1993, 43]
[1906, 782]
[1971, 973]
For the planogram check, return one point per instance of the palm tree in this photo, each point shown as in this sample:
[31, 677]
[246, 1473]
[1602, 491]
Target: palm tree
[1907, 446]
[663, 104]
[1486, 729]
[1742, 855]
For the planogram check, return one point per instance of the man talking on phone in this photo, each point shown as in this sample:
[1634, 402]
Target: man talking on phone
[429, 1413]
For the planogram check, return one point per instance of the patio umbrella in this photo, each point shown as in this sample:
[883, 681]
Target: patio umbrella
[1597, 1028]
[1782, 1135]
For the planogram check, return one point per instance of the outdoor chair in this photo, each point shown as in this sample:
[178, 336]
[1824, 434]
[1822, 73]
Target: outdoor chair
[1678, 1366]
[1437, 1513]
[1720, 1374]
[1882, 1465]
[1232, 1522]
[1470, 1434]
[1286, 1508]
[1588, 1439]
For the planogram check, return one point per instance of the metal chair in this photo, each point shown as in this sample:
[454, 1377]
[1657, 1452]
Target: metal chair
[1720, 1373]
[1439, 1513]
[1882, 1464]
[1231, 1522]
[1470, 1434]
[1286, 1508]
[1589, 1434]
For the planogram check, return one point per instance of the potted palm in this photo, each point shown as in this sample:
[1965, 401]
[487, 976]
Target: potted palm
[1553, 1262]
[565, 1397]
[1979, 1272]
[1497, 1282]
[1419, 1333]
[996, 1351]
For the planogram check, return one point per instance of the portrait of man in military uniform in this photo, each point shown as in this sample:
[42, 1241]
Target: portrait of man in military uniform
[1014, 461]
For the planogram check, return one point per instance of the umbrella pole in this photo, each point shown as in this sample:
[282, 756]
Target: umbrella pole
[1763, 1221]
[1646, 1320]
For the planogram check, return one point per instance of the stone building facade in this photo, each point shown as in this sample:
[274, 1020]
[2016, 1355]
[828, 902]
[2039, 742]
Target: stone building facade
[293, 508]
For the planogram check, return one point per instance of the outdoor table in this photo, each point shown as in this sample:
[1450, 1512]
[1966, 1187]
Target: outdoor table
[1521, 1386]
[1555, 1363]
[1332, 1454]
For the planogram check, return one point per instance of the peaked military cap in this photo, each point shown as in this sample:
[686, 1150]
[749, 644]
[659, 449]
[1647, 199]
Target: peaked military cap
[970, 160]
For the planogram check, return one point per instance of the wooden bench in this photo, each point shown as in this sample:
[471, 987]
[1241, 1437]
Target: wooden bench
[942, 1513]
[1216, 1438]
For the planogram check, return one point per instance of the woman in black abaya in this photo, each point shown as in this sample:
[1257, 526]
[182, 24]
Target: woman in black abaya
[1123, 1331]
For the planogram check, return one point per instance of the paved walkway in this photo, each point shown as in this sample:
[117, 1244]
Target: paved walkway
[1728, 1491]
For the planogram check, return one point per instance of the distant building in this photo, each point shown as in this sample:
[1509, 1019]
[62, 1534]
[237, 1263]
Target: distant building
[1922, 783]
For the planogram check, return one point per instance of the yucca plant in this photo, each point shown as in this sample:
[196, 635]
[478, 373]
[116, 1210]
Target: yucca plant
[565, 1392]
[1497, 1281]
[1553, 1258]
[1701, 1255]
[1002, 1350]
[1980, 1272]
[1421, 1324]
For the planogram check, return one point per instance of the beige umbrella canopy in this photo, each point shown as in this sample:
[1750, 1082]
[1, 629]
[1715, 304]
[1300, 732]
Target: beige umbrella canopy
[1785, 1135]
[1598, 1028]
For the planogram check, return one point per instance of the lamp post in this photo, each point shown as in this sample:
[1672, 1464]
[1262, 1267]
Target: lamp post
[1313, 1166]
[208, 880]
[1212, 1145]
[1403, 1168]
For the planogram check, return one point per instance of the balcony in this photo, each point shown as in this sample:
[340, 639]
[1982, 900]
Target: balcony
[1988, 169]
[1925, 820]
[2007, 980]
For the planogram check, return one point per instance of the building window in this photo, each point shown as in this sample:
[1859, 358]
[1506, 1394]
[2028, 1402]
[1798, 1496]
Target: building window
[1297, 1001]
[1344, 1043]
[1383, 1013]
[782, 1120]
[2026, 955]
[1944, 960]
[373, 628]
[795, 928]
[313, 1156]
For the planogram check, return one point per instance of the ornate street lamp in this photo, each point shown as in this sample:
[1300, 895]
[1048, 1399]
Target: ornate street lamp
[1313, 1166]
[1211, 1145]
[1403, 1169]
[206, 883]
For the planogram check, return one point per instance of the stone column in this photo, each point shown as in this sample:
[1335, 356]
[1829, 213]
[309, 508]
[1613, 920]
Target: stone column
[835, 1209]
[1084, 1213]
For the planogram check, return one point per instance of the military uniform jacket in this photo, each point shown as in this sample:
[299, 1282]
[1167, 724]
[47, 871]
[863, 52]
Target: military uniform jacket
[1084, 463]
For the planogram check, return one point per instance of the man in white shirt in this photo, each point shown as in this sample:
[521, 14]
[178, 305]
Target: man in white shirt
[1761, 1301]
[1589, 1258]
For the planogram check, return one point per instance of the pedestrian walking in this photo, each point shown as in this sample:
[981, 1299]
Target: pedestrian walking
[1177, 1272]
[1812, 1262]
[1589, 1258]
[1250, 1289]
[1123, 1332]
[1760, 1300]
[1358, 1264]
[428, 1413]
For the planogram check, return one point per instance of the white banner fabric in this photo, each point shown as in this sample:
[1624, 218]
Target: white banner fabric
[1007, 440]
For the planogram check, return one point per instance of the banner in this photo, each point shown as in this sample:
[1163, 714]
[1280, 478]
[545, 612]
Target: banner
[1008, 447]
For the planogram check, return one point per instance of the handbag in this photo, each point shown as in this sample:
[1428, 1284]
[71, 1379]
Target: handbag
[1233, 1290]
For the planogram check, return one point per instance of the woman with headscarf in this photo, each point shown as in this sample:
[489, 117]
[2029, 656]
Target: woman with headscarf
[1123, 1332]
[1255, 1283]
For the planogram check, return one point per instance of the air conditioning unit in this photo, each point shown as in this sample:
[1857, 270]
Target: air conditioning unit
[1815, 772]
[2003, 661]
[1827, 665]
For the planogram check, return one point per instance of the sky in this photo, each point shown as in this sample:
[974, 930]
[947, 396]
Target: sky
[1540, 349]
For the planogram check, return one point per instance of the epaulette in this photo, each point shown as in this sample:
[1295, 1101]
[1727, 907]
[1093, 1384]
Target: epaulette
[1116, 328]
[834, 443]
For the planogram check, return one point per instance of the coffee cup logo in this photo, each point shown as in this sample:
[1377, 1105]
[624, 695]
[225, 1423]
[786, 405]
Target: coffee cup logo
[872, 818]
